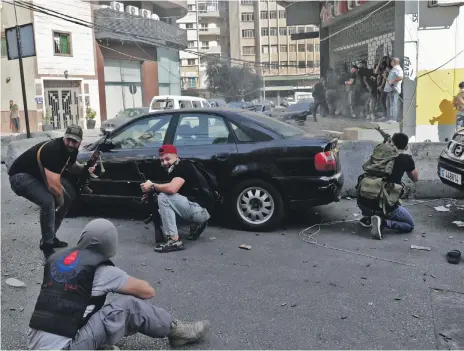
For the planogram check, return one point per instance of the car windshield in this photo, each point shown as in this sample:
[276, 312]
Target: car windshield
[235, 105]
[162, 104]
[282, 128]
[299, 106]
[132, 112]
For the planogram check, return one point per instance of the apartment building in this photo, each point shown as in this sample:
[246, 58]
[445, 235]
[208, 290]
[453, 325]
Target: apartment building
[207, 35]
[259, 34]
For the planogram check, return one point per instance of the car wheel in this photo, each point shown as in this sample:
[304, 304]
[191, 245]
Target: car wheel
[256, 205]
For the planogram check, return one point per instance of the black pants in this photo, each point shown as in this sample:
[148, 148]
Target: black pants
[324, 107]
[32, 189]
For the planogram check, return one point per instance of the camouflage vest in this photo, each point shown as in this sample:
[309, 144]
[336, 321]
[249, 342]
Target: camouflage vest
[375, 183]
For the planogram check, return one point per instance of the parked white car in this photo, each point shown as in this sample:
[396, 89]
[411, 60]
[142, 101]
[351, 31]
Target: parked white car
[173, 102]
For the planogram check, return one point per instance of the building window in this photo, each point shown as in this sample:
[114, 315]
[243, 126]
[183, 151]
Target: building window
[292, 64]
[265, 49]
[62, 43]
[248, 33]
[275, 65]
[248, 16]
[283, 48]
[189, 26]
[301, 48]
[191, 8]
[273, 14]
[273, 31]
[205, 44]
[264, 32]
[192, 43]
[192, 82]
[191, 62]
[292, 48]
[203, 27]
[283, 31]
[264, 15]
[310, 47]
[248, 50]
[291, 30]
[246, 2]
[301, 29]
[274, 49]
[317, 47]
[301, 64]
[3, 47]
[282, 14]
[310, 64]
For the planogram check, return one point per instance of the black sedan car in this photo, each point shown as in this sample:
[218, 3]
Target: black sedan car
[451, 162]
[298, 111]
[264, 167]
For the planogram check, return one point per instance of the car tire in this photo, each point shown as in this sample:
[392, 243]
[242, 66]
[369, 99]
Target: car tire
[246, 205]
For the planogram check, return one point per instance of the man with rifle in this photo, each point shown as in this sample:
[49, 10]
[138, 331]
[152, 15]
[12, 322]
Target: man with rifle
[380, 188]
[189, 194]
[36, 176]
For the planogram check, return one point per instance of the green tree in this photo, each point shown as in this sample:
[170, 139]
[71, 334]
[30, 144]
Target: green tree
[232, 82]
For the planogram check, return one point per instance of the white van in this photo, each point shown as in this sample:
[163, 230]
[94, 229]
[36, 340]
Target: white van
[173, 102]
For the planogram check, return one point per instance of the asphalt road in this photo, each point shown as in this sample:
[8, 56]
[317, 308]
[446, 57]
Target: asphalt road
[283, 293]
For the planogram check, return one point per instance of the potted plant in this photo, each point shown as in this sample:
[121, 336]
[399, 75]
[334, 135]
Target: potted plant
[90, 117]
[46, 122]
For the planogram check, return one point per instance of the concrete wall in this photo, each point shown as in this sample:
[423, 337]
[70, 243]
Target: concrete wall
[12, 89]
[436, 116]
[353, 154]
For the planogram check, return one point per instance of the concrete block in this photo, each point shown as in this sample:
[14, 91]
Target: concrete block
[17, 147]
[353, 154]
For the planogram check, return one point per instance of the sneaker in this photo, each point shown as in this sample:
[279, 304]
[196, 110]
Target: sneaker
[376, 227]
[366, 222]
[196, 230]
[187, 333]
[57, 243]
[391, 121]
[171, 245]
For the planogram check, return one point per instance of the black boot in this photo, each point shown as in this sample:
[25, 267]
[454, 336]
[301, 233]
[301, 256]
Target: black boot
[57, 243]
[47, 249]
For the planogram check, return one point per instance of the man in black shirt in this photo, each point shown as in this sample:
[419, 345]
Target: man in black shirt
[319, 99]
[36, 176]
[181, 196]
[397, 218]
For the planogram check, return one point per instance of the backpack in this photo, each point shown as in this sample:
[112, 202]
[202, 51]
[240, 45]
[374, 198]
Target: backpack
[209, 185]
[374, 183]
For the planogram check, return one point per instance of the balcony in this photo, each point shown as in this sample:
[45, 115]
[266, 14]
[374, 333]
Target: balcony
[115, 25]
[209, 31]
[211, 49]
[209, 14]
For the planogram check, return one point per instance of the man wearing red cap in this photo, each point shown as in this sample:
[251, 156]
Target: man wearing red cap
[182, 196]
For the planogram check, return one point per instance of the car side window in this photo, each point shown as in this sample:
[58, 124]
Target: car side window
[201, 129]
[146, 132]
[240, 134]
[185, 104]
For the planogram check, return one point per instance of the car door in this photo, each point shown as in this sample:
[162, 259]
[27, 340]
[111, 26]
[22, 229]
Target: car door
[137, 142]
[208, 138]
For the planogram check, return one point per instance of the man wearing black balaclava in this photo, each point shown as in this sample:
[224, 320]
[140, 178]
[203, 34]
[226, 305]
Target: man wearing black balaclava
[71, 312]
[36, 176]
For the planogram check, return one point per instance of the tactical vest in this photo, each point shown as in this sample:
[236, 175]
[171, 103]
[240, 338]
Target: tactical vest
[66, 292]
[375, 183]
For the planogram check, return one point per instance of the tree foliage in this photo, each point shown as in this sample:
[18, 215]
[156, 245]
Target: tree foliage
[233, 82]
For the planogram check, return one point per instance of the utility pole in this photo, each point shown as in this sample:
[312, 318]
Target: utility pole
[21, 73]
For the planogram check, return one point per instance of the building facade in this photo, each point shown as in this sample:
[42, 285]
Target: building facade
[82, 66]
[427, 36]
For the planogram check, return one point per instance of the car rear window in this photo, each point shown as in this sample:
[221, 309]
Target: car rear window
[281, 128]
[162, 104]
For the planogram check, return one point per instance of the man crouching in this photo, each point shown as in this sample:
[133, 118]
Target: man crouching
[72, 313]
[182, 196]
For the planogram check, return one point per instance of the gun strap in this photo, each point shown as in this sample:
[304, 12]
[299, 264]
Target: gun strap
[41, 167]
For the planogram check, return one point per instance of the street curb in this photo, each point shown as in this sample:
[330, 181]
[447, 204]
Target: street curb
[353, 154]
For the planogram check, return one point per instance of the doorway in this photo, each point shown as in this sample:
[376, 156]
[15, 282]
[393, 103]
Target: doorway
[62, 103]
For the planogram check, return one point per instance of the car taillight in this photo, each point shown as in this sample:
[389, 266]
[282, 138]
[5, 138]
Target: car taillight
[325, 161]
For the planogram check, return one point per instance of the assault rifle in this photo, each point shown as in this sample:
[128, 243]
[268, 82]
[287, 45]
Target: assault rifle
[150, 200]
[386, 137]
[84, 178]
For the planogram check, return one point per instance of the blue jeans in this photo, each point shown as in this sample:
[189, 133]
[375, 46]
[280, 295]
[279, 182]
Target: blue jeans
[399, 219]
[27, 186]
[392, 104]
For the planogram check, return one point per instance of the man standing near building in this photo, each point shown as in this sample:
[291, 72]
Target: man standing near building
[186, 195]
[14, 116]
[331, 93]
[319, 99]
[393, 89]
[36, 176]
[459, 105]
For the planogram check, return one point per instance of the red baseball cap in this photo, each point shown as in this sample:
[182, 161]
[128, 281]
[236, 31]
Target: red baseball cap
[167, 149]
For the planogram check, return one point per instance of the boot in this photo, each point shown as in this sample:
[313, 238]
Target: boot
[47, 249]
[187, 333]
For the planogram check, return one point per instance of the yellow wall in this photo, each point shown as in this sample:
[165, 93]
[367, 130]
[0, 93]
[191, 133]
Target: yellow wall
[434, 97]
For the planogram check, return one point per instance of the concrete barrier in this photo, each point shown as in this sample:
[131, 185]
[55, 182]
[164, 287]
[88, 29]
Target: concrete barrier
[353, 154]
